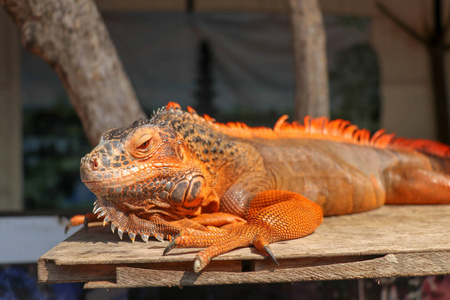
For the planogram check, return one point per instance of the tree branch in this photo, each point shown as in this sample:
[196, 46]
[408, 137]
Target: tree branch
[71, 37]
[311, 74]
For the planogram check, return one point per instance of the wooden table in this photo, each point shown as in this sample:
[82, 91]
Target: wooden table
[390, 241]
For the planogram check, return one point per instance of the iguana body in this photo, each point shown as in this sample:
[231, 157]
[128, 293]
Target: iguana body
[227, 186]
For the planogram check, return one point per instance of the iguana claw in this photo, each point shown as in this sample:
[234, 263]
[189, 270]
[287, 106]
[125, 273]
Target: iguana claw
[171, 245]
[199, 264]
[270, 253]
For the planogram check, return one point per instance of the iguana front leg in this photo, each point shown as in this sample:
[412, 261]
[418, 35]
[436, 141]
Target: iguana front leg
[153, 225]
[273, 216]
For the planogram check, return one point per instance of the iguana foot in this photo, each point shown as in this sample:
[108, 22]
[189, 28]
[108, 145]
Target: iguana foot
[153, 225]
[269, 220]
[219, 241]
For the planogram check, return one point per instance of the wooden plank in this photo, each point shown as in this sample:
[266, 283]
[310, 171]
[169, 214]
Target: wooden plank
[405, 240]
[403, 264]
[388, 229]
[49, 273]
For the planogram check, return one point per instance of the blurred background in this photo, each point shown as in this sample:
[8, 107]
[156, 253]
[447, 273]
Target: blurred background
[233, 58]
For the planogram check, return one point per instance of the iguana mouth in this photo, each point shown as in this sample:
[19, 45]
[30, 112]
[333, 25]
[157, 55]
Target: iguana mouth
[91, 170]
[109, 183]
[101, 182]
[98, 176]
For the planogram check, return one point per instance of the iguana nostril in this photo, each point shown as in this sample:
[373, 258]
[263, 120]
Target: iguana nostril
[93, 163]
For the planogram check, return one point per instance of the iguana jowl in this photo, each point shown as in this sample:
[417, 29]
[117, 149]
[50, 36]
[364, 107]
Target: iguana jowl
[199, 183]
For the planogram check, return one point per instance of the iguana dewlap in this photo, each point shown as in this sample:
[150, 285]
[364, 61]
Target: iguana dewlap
[223, 186]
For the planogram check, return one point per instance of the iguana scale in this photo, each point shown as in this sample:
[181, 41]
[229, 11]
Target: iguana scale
[199, 183]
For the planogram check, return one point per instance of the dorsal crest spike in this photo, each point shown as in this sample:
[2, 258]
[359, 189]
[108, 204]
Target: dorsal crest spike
[191, 110]
[317, 128]
[208, 118]
[279, 124]
[173, 105]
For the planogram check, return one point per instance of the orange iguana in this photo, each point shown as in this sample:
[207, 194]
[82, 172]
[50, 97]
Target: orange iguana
[199, 183]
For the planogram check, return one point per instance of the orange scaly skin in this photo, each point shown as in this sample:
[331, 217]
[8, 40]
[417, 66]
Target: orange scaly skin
[223, 186]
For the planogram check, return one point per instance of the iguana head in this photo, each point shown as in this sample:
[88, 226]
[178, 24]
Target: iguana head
[149, 168]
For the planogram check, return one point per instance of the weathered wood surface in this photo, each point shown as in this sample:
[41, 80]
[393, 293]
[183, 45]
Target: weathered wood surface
[390, 241]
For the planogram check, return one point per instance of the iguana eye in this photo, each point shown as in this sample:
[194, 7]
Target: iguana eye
[143, 143]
